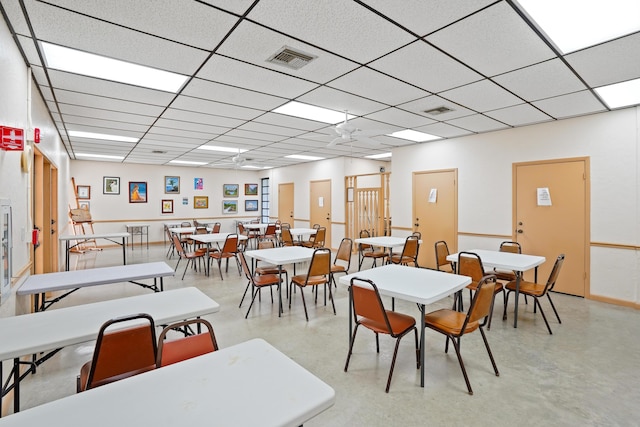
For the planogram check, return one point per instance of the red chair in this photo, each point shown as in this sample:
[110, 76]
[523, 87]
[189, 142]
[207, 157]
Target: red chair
[229, 250]
[186, 347]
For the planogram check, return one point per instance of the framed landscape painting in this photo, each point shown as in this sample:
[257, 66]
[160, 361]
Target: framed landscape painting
[250, 205]
[251, 189]
[229, 206]
[111, 185]
[230, 190]
[200, 202]
[172, 185]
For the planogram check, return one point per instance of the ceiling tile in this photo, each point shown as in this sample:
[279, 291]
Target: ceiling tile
[482, 96]
[573, 104]
[519, 115]
[211, 107]
[425, 67]
[197, 117]
[544, 80]
[444, 130]
[493, 41]
[334, 25]
[400, 118]
[339, 101]
[477, 123]
[205, 89]
[419, 106]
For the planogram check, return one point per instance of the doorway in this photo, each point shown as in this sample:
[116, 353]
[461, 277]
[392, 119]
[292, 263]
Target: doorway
[435, 212]
[285, 203]
[320, 206]
[45, 214]
[551, 216]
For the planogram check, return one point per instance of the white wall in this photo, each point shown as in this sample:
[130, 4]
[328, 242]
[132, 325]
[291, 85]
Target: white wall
[484, 164]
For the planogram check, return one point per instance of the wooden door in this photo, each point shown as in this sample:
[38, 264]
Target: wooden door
[320, 206]
[45, 206]
[558, 226]
[285, 203]
[435, 212]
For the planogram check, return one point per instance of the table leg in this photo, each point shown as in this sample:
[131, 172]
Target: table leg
[124, 250]
[280, 309]
[66, 263]
[515, 313]
[422, 326]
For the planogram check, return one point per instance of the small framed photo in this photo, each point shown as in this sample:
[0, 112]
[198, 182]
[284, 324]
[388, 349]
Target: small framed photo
[137, 192]
[229, 206]
[167, 206]
[230, 190]
[251, 189]
[171, 185]
[200, 202]
[84, 205]
[198, 184]
[84, 191]
[250, 205]
[110, 185]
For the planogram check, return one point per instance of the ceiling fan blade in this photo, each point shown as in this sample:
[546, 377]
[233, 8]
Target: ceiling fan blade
[334, 142]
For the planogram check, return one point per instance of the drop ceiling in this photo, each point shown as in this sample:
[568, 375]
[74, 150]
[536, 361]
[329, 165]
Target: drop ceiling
[385, 62]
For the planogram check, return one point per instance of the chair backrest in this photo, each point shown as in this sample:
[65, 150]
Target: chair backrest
[266, 244]
[185, 224]
[216, 228]
[271, 230]
[241, 228]
[201, 230]
[482, 301]
[411, 247]
[363, 246]
[470, 264]
[230, 244]
[178, 245]
[344, 252]
[245, 267]
[417, 234]
[122, 353]
[442, 252]
[320, 263]
[316, 226]
[318, 240]
[185, 347]
[513, 247]
[555, 272]
[285, 235]
[366, 302]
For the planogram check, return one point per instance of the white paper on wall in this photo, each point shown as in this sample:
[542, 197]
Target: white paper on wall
[433, 195]
[320, 202]
[544, 197]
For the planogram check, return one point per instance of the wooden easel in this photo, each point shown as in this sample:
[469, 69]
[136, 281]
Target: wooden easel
[80, 218]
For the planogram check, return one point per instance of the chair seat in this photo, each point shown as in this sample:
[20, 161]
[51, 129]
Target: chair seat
[338, 268]
[474, 286]
[449, 321]
[375, 254]
[527, 288]
[399, 259]
[270, 269]
[266, 280]
[399, 323]
[504, 275]
[195, 345]
[300, 280]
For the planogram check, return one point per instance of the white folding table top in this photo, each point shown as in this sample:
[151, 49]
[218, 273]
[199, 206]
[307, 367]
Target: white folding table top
[419, 285]
[281, 255]
[255, 226]
[63, 280]
[504, 260]
[384, 241]
[299, 232]
[95, 236]
[248, 384]
[51, 329]
[185, 230]
[214, 237]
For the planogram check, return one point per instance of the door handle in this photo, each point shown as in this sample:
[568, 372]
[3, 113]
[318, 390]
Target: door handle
[53, 231]
[520, 231]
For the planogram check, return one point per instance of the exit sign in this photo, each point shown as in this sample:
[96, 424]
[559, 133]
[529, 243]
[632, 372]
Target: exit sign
[12, 139]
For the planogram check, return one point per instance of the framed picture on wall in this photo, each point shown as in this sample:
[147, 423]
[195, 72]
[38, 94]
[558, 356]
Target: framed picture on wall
[137, 192]
[171, 185]
[229, 206]
[251, 189]
[167, 206]
[200, 202]
[84, 191]
[250, 205]
[110, 185]
[230, 190]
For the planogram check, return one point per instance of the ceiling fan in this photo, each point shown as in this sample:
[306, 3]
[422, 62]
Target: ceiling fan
[347, 132]
[237, 161]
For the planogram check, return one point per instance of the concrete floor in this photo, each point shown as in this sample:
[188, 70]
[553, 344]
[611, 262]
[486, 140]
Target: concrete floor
[585, 374]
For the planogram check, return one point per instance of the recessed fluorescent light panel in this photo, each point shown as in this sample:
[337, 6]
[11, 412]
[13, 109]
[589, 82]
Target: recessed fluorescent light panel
[311, 112]
[379, 156]
[99, 156]
[413, 135]
[302, 157]
[220, 148]
[575, 24]
[101, 67]
[620, 94]
[186, 162]
[103, 136]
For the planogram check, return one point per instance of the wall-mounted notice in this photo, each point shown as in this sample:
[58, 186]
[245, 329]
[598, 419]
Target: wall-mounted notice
[320, 202]
[433, 195]
[544, 197]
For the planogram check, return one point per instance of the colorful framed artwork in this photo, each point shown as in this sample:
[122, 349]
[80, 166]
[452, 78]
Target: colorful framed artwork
[172, 185]
[84, 191]
[229, 206]
[167, 206]
[230, 190]
[251, 189]
[137, 192]
[250, 205]
[84, 205]
[110, 185]
[200, 202]
[198, 184]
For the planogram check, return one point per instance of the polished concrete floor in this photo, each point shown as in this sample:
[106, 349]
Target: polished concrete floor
[586, 374]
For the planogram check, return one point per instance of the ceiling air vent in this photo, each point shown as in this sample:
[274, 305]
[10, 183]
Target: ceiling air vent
[438, 110]
[291, 58]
